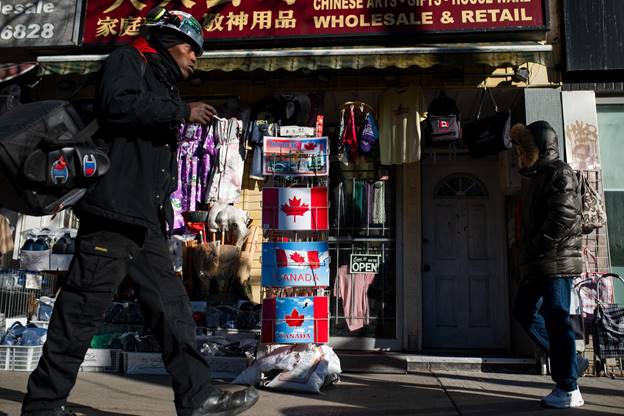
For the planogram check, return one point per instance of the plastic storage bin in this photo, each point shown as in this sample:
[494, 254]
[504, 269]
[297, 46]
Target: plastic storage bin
[19, 358]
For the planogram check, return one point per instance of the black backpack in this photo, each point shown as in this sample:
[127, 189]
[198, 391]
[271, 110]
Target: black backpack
[443, 124]
[47, 158]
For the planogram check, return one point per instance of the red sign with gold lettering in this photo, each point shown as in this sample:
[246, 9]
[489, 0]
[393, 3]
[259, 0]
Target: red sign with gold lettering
[114, 21]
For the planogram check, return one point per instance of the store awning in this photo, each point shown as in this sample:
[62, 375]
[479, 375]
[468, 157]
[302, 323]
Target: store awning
[294, 59]
[10, 71]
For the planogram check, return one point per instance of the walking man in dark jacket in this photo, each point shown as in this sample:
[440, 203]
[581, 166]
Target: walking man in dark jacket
[550, 256]
[123, 218]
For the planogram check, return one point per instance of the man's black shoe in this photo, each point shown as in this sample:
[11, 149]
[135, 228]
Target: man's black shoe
[222, 403]
[581, 365]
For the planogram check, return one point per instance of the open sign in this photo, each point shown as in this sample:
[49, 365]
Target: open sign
[364, 263]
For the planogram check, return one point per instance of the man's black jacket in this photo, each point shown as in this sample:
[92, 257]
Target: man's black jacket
[551, 212]
[138, 110]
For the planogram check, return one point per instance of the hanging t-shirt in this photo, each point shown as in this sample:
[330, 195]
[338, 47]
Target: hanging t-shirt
[353, 290]
[399, 125]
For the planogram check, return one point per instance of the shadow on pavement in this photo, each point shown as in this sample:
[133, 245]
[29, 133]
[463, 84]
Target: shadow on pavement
[18, 396]
[465, 400]
[547, 385]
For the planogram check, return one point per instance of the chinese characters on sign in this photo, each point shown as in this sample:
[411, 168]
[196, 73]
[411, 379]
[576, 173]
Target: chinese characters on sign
[110, 21]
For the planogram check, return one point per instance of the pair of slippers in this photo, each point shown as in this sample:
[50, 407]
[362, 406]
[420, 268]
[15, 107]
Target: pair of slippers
[66, 167]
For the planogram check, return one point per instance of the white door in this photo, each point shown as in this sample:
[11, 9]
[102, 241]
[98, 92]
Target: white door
[465, 298]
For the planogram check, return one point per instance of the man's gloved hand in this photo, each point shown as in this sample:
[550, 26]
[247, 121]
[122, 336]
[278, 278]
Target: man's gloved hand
[201, 113]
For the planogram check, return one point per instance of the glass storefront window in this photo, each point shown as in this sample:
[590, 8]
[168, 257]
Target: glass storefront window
[362, 213]
[610, 128]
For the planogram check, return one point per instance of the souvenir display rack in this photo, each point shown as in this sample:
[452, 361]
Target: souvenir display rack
[295, 255]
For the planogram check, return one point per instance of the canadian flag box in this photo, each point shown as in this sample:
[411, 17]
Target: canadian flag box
[295, 320]
[294, 209]
[303, 264]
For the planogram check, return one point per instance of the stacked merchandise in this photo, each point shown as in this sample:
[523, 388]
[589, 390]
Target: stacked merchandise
[24, 295]
[295, 261]
[211, 249]
[214, 244]
[47, 249]
[21, 346]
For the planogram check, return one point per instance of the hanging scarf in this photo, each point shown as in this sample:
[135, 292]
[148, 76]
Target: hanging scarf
[350, 135]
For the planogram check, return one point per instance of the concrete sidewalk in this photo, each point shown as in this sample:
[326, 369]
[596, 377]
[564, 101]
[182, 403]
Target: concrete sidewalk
[425, 393]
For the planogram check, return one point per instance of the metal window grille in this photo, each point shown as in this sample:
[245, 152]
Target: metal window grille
[19, 290]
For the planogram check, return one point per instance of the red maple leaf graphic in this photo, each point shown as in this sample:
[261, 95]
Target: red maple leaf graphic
[297, 258]
[295, 208]
[294, 319]
[310, 146]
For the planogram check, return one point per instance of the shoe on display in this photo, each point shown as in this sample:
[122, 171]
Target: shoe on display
[28, 245]
[581, 365]
[60, 246]
[70, 247]
[41, 244]
[222, 403]
[560, 399]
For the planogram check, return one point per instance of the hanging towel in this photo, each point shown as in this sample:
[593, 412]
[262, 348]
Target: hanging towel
[359, 202]
[350, 135]
[379, 203]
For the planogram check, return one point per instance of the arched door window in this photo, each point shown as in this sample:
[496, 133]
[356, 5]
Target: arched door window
[460, 186]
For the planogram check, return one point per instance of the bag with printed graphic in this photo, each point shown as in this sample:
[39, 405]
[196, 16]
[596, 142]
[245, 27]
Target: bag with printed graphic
[593, 212]
[443, 123]
[47, 157]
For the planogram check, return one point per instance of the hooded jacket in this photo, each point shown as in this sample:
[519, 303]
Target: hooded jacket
[551, 212]
[138, 110]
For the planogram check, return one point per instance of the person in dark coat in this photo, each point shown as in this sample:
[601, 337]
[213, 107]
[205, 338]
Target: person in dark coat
[550, 256]
[123, 219]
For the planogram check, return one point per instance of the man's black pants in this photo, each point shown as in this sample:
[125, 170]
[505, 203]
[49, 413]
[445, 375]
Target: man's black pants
[106, 252]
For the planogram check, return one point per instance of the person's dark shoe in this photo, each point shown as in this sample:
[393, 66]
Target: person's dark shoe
[222, 403]
[581, 365]
[61, 411]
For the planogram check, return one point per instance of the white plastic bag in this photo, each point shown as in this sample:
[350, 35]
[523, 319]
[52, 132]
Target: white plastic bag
[307, 368]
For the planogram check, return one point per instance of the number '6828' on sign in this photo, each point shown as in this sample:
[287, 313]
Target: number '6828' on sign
[31, 31]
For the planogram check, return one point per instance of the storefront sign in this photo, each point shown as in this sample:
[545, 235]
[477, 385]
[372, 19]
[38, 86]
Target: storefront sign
[295, 157]
[42, 23]
[110, 21]
[303, 264]
[295, 320]
[364, 263]
[295, 209]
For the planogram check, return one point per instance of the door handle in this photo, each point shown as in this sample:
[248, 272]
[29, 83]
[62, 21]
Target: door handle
[426, 268]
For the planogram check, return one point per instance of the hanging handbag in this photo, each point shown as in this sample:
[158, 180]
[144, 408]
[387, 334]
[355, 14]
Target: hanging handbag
[488, 135]
[592, 208]
[442, 126]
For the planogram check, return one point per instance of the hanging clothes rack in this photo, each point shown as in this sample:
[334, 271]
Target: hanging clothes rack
[358, 104]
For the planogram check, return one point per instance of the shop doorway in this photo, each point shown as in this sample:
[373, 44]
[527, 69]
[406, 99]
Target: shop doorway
[465, 297]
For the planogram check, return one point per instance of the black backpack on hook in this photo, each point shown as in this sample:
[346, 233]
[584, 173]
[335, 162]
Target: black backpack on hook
[47, 157]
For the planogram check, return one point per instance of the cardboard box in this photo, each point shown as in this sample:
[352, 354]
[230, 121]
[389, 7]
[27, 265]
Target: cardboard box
[295, 320]
[102, 360]
[143, 363]
[60, 262]
[226, 367]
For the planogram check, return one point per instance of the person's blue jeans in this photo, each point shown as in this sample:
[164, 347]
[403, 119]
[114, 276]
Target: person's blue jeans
[543, 309]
